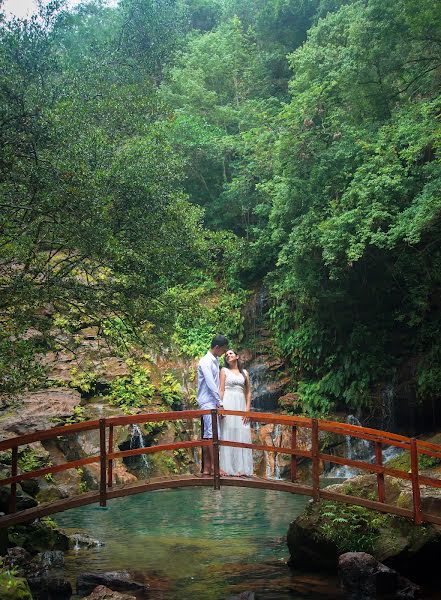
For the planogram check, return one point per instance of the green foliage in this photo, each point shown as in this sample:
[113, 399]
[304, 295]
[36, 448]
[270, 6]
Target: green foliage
[351, 528]
[12, 587]
[170, 391]
[134, 391]
[83, 380]
[79, 415]
[28, 460]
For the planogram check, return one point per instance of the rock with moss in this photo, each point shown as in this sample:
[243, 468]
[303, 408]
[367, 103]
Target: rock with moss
[325, 530]
[13, 588]
[38, 536]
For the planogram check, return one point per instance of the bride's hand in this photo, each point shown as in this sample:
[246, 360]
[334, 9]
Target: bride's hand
[245, 420]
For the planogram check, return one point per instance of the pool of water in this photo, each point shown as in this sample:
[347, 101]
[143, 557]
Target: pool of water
[197, 543]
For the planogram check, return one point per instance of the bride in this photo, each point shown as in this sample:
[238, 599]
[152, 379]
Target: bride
[235, 392]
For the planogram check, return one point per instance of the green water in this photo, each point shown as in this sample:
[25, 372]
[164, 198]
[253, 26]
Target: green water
[197, 543]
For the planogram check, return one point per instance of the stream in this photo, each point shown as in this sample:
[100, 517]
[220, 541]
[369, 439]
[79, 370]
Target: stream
[197, 543]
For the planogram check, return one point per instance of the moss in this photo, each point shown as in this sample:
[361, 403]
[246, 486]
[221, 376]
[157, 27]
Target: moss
[38, 537]
[14, 588]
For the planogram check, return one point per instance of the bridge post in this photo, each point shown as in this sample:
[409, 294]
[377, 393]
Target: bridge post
[380, 476]
[14, 472]
[103, 463]
[110, 472]
[215, 442]
[315, 460]
[417, 513]
[293, 456]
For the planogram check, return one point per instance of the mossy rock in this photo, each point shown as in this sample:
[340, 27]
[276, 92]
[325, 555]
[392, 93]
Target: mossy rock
[325, 530]
[38, 537]
[14, 588]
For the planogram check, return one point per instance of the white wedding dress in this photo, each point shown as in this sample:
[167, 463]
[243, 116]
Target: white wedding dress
[235, 461]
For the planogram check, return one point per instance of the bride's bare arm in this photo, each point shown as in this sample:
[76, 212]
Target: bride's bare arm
[247, 395]
[222, 384]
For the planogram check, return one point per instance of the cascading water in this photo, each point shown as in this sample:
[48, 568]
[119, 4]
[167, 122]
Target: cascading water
[137, 441]
[357, 449]
[272, 467]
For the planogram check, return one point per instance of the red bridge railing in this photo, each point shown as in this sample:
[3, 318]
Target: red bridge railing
[107, 455]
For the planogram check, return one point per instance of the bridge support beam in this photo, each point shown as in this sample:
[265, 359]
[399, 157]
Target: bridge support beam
[216, 469]
[315, 460]
[103, 463]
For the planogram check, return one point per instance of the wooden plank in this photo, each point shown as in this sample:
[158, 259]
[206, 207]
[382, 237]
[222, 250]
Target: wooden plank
[415, 482]
[365, 436]
[49, 508]
[279, 449]
[215, 443]
[380, 475]
[429, 518]
[346, 427]
[161, 484]
[293, 456]
[315, 459]
[110, 463]
[47, 434]
[365, 466]
[267, 484]
[422, 445]
[269, 417]
[73, 464]
[160, 448]
[103, 463]
[371, 504]
[14, 471]
[155, 417]
[430, 481]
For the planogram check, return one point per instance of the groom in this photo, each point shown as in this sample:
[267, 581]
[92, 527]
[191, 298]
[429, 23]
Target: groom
[208, 393]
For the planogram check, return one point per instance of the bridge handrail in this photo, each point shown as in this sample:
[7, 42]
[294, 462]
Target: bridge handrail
[107, 454]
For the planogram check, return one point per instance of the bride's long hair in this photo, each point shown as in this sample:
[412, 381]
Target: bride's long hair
[239, 362]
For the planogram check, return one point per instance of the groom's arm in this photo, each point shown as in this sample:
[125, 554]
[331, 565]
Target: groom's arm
[211, 384]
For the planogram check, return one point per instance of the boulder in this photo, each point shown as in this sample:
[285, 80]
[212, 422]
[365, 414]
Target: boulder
[101, 592]
[83, 540]
[317, 539]
[50, 587]
[118, 581]
[38, 536]
[39, 409]
[364, 578]
[43, 585]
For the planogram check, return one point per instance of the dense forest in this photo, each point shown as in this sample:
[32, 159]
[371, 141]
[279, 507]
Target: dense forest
[161, 159]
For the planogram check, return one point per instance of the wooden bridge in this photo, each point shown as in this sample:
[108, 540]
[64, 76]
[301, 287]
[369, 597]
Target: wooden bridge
[108, 490]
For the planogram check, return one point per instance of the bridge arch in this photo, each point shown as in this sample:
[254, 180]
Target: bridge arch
[108, 490]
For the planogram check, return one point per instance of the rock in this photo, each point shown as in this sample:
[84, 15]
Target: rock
[39, 409]
[15, 588]
[23, 500]
[51, 559]
[82, 540]
[115, 580]
[38, 537]
[50, 587]
[244, 596]
[43, 585]
[396, 540]
[101, 592]
[364, 578]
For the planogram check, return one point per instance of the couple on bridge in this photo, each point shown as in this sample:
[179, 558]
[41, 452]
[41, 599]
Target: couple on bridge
[228, 388]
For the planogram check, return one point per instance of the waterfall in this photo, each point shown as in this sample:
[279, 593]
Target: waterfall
[357, 449]
[273, 473]
[137, 441]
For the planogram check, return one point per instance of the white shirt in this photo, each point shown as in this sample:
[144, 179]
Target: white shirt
[208, 382]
